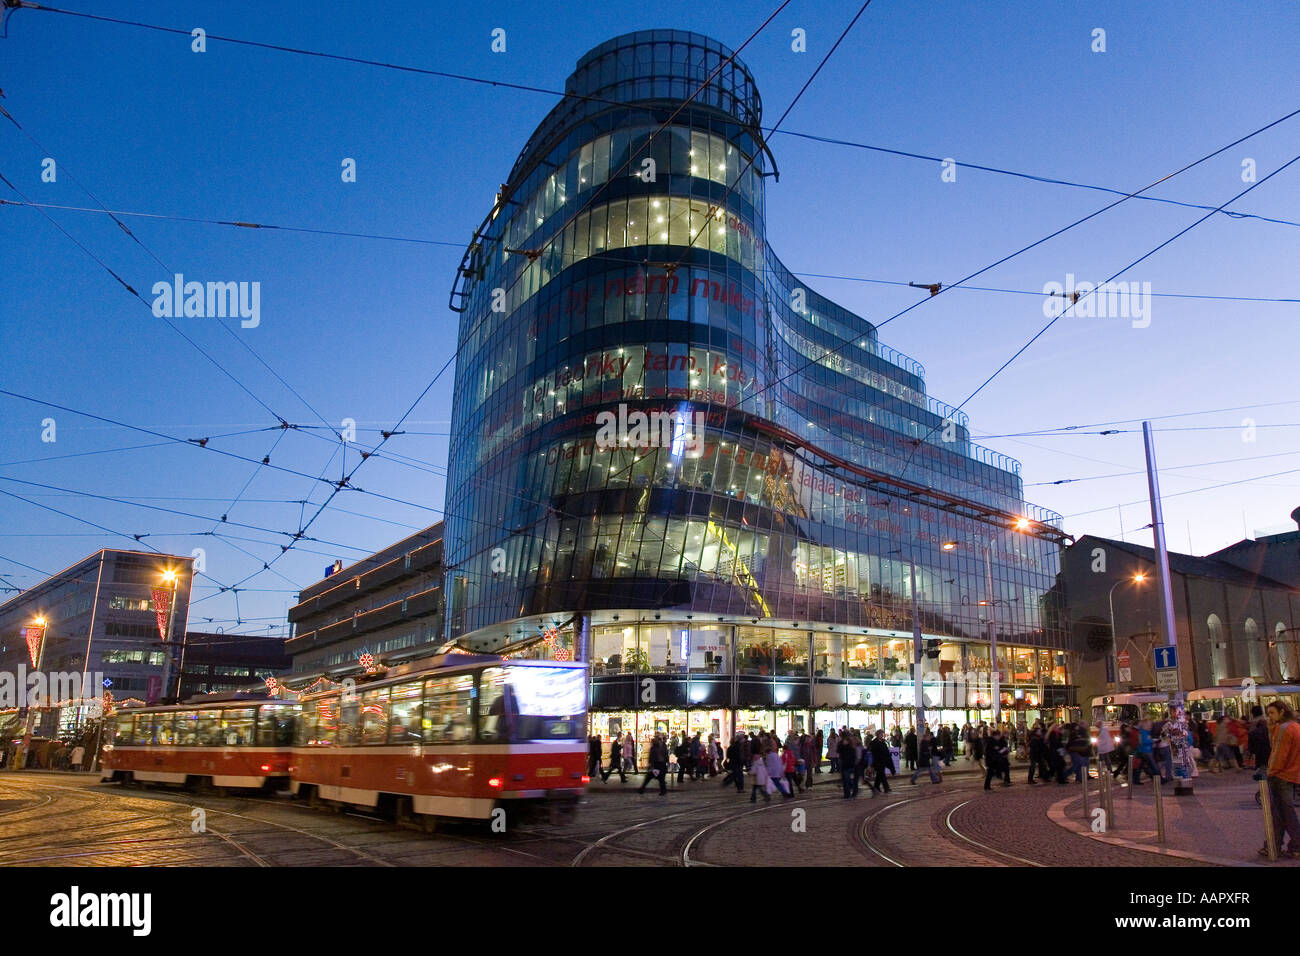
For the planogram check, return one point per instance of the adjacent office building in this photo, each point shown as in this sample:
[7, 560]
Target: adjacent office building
[100, 617]
[1236, 613]
[388, 605]
[672, 458]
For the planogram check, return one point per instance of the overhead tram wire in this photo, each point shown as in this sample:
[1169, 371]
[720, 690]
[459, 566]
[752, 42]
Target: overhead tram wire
[1150, 418]
[172, 511]
[947, 288]
[385, 436]
[630, 261]
[1067, 306]
[283, 422]
[1165, 468]
[533, 88]
[1190, 491]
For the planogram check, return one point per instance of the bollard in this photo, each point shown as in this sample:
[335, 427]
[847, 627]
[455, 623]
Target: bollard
[1110, 801]
[1160, 811]
[1087, 810]
[1270, 838]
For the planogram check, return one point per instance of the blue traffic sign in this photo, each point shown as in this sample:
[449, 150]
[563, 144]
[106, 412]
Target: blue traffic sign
[1165, 657]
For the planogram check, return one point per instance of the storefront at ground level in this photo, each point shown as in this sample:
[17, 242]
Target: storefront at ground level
[643, 724]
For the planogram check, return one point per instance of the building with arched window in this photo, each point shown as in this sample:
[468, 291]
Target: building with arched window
[1233, 622]
[672, 457]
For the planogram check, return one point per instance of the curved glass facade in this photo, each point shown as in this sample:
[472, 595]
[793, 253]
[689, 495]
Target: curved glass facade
[624, 270]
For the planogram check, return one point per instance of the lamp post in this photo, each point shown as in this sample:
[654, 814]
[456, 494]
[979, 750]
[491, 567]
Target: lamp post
[170, 578]
[918, 694]
[1021, 524]
[20, 758]
[1114, 636]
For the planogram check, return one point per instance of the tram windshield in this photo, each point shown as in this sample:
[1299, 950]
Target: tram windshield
[532, 703]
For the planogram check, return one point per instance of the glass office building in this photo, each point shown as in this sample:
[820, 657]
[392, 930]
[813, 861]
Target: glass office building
[671, 457]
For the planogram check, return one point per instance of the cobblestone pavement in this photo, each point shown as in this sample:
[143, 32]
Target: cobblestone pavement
[72, 819]
[1218, 823]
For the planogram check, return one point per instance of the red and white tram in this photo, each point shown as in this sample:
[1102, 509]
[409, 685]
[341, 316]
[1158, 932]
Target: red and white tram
[457, 735]
[229, 740]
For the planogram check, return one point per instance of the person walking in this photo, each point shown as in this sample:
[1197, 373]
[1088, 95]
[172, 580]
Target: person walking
[762, 782]
[860, 760]
[629, 752]
[845, 759]
[925, 759]
[909, 749]
[997, 760]
[1080, 750]
[1143, 754]
[882, 761]
[615, 762]
[657, 768]
[776, 767]
[806, 744]
[833, 750]
[946, 741]
[819, 748]
[735, 766]
[594, 748]
[1283, 777]
[1257, 741]
[790, 760]
[1037, 752]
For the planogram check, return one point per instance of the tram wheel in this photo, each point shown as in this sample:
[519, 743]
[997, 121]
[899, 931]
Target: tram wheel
[428, 823]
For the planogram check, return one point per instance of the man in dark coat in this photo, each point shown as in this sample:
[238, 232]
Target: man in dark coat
[997, 760]
[882, 760]
[736, 763]
[594, 748]
[1037, 752]
[909, 749]
[657, 765]
[945, 744]
[615, 762]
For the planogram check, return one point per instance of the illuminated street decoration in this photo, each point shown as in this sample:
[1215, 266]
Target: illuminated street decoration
[162, 604]
[34, 634]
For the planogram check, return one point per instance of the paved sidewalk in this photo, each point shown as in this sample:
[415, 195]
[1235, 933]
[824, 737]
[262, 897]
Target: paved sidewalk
[1219, 823]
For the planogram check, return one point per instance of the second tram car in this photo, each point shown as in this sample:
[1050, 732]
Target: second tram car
[231, 740]
[457, 735]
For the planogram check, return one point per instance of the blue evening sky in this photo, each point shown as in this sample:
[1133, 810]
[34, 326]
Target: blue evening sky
[358, 326]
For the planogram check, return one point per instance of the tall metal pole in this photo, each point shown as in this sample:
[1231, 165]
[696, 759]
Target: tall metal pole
[171, 643]
[1167, 627]
[993, 638]
[918, 698]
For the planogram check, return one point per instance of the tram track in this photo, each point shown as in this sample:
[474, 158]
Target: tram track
[238, 840]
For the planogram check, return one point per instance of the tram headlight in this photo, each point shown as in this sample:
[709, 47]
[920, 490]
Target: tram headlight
[495, 782]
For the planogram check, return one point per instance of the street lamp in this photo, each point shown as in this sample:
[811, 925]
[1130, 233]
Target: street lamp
[172, 580]
[918, 695]
[1114, 637]
[1020, 524]
[20, 758]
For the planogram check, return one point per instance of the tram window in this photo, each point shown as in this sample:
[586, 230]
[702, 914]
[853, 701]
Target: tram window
[125, 730]
[305, 724]
[327, 722]
[275, 725]
[349, 732]
[187, 728]
[549, 702]
[237, 726]
[374, 716]
[209, 728]
[405, 723]
[492, 718]
[448, 709]
[160, 729]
